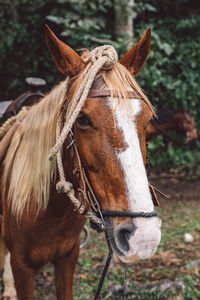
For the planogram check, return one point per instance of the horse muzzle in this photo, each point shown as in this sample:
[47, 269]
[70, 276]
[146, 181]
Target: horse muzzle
[136, 240]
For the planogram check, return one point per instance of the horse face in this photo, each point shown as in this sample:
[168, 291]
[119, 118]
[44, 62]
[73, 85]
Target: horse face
[111, 144]
[186, 124]
[113, 152]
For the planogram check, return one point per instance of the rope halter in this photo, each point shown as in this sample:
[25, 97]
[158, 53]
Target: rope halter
[101, 58]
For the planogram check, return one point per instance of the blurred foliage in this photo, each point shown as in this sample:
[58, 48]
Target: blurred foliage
[170, 77]
[84, 23]
[22, 50]
[171, 74]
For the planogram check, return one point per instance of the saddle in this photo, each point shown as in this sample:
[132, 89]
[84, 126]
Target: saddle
[12, 108]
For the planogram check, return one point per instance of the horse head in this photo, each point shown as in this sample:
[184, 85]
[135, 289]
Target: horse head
[110, 137]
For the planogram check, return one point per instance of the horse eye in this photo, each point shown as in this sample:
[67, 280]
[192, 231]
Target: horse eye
[83, 121]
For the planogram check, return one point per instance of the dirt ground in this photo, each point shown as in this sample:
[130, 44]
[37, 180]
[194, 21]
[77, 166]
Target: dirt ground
[180, 214]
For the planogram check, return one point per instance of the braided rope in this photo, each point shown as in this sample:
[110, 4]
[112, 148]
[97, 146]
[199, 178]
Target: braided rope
[106, 51]
[99, 61]
[58, 130]
[66, 187]
[101, 58]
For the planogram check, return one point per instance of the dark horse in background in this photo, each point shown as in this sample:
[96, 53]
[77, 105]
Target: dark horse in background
[175, 120]
[40, 225]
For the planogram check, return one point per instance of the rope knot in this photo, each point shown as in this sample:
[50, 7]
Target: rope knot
[107, 52]
[64, 187]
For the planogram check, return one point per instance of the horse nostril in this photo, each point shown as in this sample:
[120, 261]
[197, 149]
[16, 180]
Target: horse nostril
[123, 234]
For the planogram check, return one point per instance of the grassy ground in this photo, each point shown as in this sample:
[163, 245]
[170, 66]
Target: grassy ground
[169, 262]
[180, 214]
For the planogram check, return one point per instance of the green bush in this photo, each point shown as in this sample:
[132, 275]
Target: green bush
[22, 50]
[170, 77]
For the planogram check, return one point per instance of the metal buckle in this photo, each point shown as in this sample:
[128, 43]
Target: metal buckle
[73, 140]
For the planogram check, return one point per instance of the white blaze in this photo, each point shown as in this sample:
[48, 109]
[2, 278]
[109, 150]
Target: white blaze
[131, 160]
[145, 240]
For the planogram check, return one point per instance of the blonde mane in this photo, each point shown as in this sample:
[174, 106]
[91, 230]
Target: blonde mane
[27, 169]
[28, 173]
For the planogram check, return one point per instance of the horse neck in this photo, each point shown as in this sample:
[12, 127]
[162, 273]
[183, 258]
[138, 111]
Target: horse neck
[60, 212]
[59, 205]
[167, 126]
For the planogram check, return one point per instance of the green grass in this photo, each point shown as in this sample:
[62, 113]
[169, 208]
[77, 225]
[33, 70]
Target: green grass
[178, 217]
[168, 263]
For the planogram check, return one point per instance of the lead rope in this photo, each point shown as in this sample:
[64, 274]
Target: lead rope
[103, 57]
[105, 269]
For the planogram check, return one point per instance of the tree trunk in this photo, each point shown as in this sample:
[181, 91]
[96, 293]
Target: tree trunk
[124, 18]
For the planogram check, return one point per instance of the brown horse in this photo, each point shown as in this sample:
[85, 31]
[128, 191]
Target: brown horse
[167, 120]
[107, 148]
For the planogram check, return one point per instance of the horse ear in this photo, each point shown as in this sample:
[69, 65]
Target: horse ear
[66, 59]
[135, 58]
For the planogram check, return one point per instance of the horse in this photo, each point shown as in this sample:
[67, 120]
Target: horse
[180, 120]
[88, 135]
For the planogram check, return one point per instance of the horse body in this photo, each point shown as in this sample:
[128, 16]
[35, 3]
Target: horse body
[39, 224]
[51, 237]
[167, 120]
